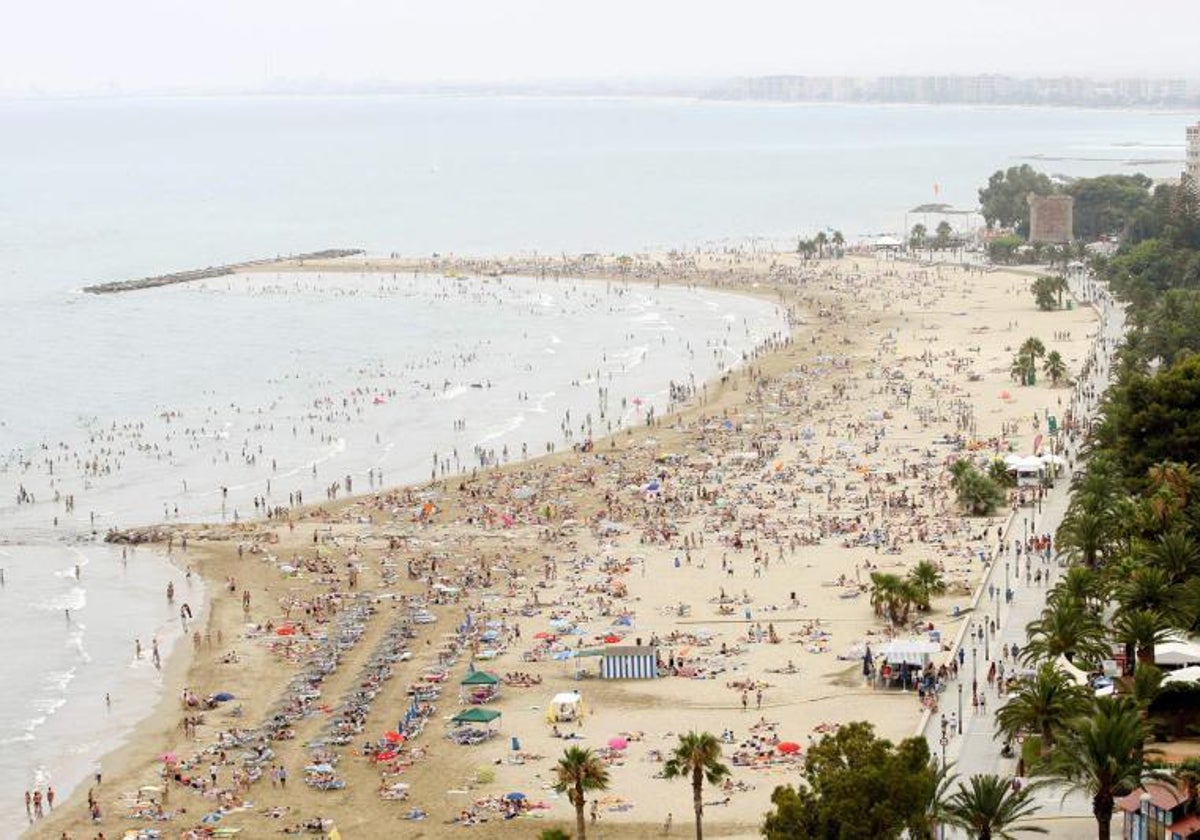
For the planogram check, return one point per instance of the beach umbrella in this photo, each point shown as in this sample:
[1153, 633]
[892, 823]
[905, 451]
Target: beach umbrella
[385, 756]
[393, 737]
[788, 747]
[617, 743]
[611, 640]
[543, 635]
[515, 796]
[223, 696]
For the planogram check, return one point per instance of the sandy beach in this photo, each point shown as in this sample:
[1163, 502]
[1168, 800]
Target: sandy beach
[737, 535]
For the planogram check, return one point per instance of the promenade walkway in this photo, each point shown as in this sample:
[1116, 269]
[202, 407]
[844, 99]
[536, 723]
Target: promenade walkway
[977, 749]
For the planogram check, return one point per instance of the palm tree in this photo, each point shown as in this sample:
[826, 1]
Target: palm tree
[942, 235]
[1176, 554]
[1033, 348]
[988, 807]
[998, 472]
[892, 596]
[976, 493]
[1043, 705]
[1067, 628]
[1084, 536]
[698, 757]
[917, 239]
[1140, 630]
[1060, 285]
[578, 771]
[1180, 478]
[926, 580]
[1022, 369]
[1150, 588]
[1103, 754]
[821, 240]
[935, 806]
[1083, 584]
[838, 240]
[1054, 367]
[1147, 682]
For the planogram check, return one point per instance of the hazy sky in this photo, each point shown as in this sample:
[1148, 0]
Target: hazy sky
[218, 43]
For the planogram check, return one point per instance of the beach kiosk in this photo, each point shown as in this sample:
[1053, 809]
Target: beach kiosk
[1028, 470]
[629, 662]
[906, 660]
[565, 707]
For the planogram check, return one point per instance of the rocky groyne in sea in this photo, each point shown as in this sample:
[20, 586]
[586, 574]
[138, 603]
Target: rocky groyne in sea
[195, 274]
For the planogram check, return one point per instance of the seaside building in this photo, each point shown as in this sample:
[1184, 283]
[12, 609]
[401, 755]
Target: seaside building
[1157, 810]
[1192, 172]
[1051, 218]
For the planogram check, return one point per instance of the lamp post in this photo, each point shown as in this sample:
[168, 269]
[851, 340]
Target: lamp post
[960, 707]
[944, 741]
[974, 668]
[997, 611]
[987, 639]
[1006, 584]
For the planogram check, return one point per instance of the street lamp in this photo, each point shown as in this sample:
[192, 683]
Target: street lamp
[960, 707]
[944, 741]
[987, 637]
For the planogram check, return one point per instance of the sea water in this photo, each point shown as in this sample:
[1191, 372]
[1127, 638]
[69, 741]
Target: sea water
[239, 381]
[279, 387]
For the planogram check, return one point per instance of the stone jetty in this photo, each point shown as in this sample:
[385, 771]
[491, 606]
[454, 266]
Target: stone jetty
[214, 271]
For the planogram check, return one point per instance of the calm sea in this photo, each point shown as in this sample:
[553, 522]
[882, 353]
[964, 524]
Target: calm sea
[300, 381]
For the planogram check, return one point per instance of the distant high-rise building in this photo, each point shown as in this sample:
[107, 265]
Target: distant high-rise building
[1192, 173]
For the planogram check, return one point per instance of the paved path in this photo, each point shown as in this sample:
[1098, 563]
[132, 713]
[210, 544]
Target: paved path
[977, 749]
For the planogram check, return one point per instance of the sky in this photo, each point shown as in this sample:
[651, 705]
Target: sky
[84, 45]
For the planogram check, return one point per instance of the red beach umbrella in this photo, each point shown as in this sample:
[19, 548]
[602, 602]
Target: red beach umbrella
[788, 747]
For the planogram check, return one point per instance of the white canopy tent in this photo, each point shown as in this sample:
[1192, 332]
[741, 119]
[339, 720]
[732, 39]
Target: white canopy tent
[1077, 675]
[1188, 674]
[1177, 653]
[566, 706]
[908, 651]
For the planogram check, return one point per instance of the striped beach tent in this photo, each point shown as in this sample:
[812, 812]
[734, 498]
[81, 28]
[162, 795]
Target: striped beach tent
[629, 663]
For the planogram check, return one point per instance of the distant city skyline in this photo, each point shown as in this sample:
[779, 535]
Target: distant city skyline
[134, 45]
